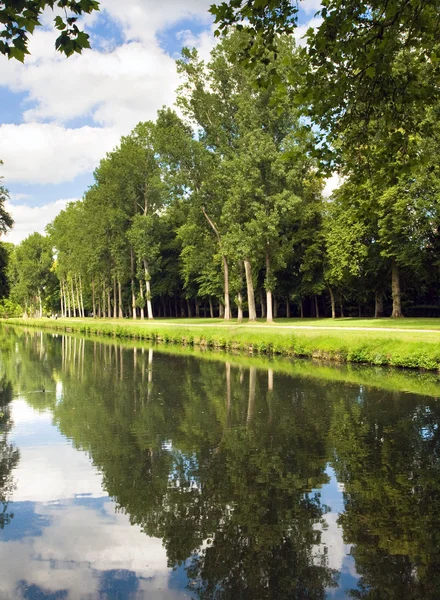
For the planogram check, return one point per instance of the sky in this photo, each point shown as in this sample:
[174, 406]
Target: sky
[59, 116]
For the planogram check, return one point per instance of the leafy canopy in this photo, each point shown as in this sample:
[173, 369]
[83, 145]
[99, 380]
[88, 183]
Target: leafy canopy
[18, 19]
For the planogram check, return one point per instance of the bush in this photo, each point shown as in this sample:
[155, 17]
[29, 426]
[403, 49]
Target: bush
[9, 310]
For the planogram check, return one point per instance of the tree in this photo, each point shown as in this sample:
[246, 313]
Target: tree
[31, 273]
[9, 454]
[374, 80]
[386, 456]
[19, 18]
[6, 221]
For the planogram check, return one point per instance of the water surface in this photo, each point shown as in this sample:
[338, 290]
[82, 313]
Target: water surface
[130, 473]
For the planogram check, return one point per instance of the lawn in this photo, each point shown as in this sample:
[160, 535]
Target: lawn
[415, 346]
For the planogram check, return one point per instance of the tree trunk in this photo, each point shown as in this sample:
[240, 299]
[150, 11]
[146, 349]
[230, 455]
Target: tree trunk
[109, 303]
[61, 299]
[104, 310]
[182, 308]
[176, 308]
[316, 307]
[115, 303]
[301, 308]
[341, 305]
[269, 306]
[211, 308]
[332, 301]
[240, 307]
[269, 301]
[81, 297]
[287, 307]
[77, 297]
[133, 293]
[262, 305]
[148, 291]
[250, 291]
[93, 299]
[196, 302]
[141, 293]
[395, 290]
[73, 299]
[121, 316]
[227, 312]
[40, 304]
[221, 310]
[189, 310]
[378, 305]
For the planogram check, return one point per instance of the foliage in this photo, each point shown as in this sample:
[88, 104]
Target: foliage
[19, 18]
[6, 221]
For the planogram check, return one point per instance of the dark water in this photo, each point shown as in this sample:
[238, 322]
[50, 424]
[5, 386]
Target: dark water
[139, 474]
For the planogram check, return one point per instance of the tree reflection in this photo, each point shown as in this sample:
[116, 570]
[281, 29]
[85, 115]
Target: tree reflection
[9, 455]
[218, 462]
[388, 457]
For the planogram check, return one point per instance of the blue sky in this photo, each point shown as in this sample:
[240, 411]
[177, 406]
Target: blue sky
[58, 116]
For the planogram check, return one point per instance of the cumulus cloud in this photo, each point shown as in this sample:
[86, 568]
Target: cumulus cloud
[204, 41]
[112, 87]
[143, 19]
[301, 30]
[50, 153]
[32, 218]
[310, 6]
[79, 542]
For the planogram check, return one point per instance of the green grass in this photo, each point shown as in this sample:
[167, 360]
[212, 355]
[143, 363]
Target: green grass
[347, 322]
[407, 348]
[380, 377]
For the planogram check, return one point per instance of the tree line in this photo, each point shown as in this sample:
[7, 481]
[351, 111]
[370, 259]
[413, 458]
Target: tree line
[217, 209]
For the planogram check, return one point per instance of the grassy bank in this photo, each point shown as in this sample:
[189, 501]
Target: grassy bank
[412, 381]
[411, 349]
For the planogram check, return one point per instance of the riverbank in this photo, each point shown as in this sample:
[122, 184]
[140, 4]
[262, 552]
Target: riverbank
[342, 341]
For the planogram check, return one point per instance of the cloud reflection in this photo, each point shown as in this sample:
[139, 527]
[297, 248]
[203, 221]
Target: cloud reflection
[83, 548]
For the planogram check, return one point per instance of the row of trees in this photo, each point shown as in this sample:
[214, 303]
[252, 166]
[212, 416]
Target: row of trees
[220, 206]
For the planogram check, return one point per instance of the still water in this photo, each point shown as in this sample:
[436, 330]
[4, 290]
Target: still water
[130, 473]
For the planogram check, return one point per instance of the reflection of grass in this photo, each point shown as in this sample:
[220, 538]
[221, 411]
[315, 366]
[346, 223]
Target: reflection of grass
[418, 382]
[403, 349]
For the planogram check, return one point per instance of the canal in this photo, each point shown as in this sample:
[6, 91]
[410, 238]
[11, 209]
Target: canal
[129, 472]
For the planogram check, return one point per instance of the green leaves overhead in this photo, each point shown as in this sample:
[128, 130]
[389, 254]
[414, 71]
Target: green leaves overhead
[18, 19]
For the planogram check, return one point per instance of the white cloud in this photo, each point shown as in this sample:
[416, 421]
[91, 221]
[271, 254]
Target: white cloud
[310, 6]
[204, 42]
[32, 218]
[19, 197]
[113, 89]
[331, 185]
[77, 546]
[117, 88]
[143, 19]
[77, 543]
[49, 153]
[301, 30]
